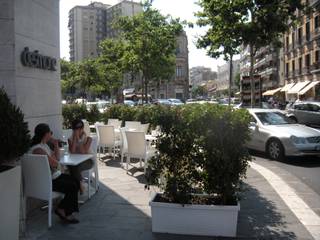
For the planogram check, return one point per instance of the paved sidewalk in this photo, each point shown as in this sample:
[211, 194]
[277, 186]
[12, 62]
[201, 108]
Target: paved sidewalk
[120, 210]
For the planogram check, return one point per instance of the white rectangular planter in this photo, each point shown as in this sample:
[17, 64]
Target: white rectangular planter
[207, 220]
[10, 182]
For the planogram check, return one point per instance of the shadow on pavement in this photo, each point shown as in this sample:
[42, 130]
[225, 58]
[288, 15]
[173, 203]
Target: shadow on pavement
[259, 218]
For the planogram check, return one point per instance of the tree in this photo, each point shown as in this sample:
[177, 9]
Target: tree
[199, 91]
[253, 23]
[113, 53]
[151, 39]
[67, 76]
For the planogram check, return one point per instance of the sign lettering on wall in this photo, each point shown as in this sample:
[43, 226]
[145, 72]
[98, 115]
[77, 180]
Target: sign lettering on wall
[36, 60]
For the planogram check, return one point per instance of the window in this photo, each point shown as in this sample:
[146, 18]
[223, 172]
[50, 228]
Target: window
[316, 22]
[292, 38]
[300, 65]
[91, 17]
[287, 69]
[300, 35]
[308, 31]
[287, 43]
[307, 60]
[179, 71]
[313, 107]
[293, 66]
[317, 57]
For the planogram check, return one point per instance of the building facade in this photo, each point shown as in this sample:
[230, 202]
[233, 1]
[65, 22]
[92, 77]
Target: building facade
[201, 75]
[302, 55]
[89, 25]
[178, 85]
[30, 30]
[224, 75]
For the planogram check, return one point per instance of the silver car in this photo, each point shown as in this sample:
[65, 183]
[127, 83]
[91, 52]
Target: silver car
[274, 133]
[305, 113]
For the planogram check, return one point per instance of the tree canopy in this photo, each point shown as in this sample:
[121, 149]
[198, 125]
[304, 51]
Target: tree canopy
[151, 41]
[253, 23]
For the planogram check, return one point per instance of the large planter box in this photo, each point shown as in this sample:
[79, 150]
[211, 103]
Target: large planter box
[10, 183]
[207, 220]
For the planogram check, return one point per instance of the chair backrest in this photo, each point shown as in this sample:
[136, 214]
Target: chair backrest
[114, 122]
[86, 127]
[123, 138]
[105, 135]
[133, 124]
[136, 143]
[145, 127]
[37, 176]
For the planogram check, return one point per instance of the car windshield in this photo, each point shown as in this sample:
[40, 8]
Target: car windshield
[273, 118]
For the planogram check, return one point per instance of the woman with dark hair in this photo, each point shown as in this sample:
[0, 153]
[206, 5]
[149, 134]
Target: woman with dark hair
[60, 182]
[79, 143]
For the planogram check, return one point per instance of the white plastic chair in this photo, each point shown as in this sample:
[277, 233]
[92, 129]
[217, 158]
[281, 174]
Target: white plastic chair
[137, 148]
[37, 180]
[145, 127]
[133, 125]
[114, 122]
[124, 143]
[106, 138]
[94, 169]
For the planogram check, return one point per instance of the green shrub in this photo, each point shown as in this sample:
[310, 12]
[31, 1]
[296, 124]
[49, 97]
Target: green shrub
[201, 150]
[93, 115]
[71, 112]
[15, 138]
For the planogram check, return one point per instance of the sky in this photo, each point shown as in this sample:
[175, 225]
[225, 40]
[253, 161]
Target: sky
[183, 9]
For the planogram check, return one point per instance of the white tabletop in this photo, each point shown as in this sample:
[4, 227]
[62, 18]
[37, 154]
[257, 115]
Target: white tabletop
[74, 159]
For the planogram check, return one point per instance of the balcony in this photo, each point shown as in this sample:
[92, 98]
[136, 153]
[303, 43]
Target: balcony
[306, 70]
[314, 3]
[315, 67]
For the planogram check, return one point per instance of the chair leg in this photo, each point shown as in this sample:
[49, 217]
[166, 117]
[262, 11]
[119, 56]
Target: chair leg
[128, 159]
[49, 213]
[140, 162]
[89, 180]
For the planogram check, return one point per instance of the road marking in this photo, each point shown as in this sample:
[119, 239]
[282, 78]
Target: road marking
[302, 211]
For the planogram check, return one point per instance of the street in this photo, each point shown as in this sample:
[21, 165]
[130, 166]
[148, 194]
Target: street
[307, 169]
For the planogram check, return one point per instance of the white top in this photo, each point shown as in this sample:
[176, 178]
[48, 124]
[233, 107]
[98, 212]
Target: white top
[55, 172]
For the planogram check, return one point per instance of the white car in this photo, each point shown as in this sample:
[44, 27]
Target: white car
[175, 102]
[274, 133]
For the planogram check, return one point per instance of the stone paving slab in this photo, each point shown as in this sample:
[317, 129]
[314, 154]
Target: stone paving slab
[120, 210]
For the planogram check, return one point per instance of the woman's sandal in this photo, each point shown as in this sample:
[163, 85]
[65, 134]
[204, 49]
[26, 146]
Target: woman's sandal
[65, 219]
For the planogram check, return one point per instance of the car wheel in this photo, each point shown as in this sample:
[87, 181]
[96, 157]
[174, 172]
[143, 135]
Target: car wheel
[275, 149]
[294, 119]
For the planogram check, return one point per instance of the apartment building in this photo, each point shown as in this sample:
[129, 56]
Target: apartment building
[224, 75]
[201, 75]
[91, 24]
[302, 56]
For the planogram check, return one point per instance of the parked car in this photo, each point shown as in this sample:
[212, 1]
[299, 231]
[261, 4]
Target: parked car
[161, 102]
[129, 103]
[305, 113]
[277, 135]
[175, 101]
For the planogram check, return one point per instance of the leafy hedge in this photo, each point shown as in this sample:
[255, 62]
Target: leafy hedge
[201, 150]
[15, 137]
[201, 147]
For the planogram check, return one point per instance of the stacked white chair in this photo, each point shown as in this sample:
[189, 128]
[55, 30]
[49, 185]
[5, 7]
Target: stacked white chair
[106, 138]
[133, 125]
[114, 122]
[37, 180]
[137, 148]
[124, 143]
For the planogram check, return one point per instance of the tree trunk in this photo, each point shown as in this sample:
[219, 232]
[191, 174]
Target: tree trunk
[230, 79]
[146, 90]
[252, 82]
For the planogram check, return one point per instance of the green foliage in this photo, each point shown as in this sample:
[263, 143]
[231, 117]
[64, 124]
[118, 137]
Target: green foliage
[201, 150]
[71, 112]
[151, 39]
[15, 137]
[199, 91]
[93, 115]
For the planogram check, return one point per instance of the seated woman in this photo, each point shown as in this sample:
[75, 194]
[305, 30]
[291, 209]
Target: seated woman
[60, 182]
[79, 142]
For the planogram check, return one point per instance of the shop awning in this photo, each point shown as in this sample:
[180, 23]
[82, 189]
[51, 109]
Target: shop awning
[271, 92]
[287, 87]
[307, 88]
[298, 87]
